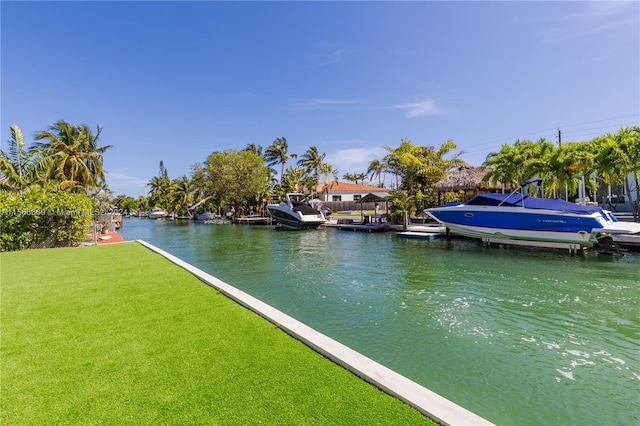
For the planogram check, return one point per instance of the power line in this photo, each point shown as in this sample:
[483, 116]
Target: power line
[551, 132]
[600, 121]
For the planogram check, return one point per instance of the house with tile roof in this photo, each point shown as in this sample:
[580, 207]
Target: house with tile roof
[343, 191]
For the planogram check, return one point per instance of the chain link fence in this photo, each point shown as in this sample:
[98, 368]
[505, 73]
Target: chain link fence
[57, 235]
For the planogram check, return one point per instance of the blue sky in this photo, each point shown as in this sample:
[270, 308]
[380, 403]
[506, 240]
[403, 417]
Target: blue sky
[175, 81]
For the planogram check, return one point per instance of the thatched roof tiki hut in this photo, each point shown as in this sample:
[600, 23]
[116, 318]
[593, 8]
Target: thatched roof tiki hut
[467, 181]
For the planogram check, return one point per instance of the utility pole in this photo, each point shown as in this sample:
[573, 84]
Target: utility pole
[559, 137]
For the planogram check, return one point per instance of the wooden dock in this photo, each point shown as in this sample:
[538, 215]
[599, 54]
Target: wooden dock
[253, 220]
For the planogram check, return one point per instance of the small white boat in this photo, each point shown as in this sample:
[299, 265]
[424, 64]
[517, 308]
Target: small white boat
[157, 213]
[296, 213]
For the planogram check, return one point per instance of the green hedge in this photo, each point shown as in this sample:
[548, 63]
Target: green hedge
[38, 219]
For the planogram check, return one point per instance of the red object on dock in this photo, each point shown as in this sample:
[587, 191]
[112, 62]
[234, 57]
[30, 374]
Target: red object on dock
[111, 237]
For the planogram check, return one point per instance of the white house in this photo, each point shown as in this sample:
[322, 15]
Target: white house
[343, 191]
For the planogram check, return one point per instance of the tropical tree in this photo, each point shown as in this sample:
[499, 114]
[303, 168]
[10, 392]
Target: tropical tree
[564, 168]
[375, 170]
[256, 149]
[295, 179]
[199, 182]
[277, 153]
[421, 166]
[237, 178]
[126, 204]
[393, 160]
[504, 166]
[101, 198]
[311, 161]
[515, 164]
[609, 162]
[17, 169]
[328, 171]
[70, 154]
[163, 172]
[629, 140]
[159, 190]
[143, 203]
[181, 195]
[349, 177]
[355, 177]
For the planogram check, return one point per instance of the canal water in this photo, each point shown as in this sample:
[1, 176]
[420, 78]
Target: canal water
[518, 336]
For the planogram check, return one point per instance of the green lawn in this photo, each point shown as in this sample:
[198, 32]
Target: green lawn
[116, 334]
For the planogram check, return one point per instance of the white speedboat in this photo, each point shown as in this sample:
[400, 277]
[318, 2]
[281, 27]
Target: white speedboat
[157, 213]
[517, 217]
[295, 213]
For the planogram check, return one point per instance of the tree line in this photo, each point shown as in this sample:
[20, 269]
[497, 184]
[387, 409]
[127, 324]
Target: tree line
[68, 157]
[246, 180]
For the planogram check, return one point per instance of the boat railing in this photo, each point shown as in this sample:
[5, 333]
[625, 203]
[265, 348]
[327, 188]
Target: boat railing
[523, 185]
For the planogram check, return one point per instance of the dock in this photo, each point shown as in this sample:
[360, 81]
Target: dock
[371, 227]
[369, 223]
[253, 220]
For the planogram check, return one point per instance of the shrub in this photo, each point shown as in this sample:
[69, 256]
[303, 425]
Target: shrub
[37, 218]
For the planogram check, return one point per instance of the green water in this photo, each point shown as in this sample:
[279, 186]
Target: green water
[516, 335]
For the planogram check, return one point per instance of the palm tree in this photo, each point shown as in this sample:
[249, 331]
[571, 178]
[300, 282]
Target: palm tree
[256, 149]
[629, 140]
[446, 164]
[160, 187]
[276, 153]
[71, 155]
[328, 171]
[350, 177]
[293, 179]
[311, 161]
[421, 166]
[507, 165]
[181, 191]
[563, 167]
[360, 177]
[17, 166]
[375, 170]
[609, 161]
[393, 160]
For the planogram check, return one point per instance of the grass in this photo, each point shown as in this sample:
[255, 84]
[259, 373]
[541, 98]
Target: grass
[116, 334]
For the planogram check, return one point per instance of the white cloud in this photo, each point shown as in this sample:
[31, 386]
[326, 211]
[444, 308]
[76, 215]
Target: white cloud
[354, 160]
[420, 108]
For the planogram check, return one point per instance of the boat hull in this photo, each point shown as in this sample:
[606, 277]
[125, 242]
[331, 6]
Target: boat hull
[294, 220]
[581, 238]
[516, 223]
[158, 214]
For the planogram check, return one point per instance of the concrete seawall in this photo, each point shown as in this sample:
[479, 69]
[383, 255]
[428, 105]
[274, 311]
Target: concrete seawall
[426, 401]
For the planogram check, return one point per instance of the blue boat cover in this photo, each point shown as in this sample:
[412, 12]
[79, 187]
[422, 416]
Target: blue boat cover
[518, 200]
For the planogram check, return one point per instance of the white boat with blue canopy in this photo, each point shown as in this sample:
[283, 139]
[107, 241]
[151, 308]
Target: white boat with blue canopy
[520, 217]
